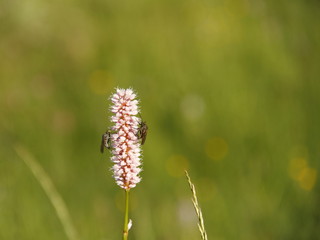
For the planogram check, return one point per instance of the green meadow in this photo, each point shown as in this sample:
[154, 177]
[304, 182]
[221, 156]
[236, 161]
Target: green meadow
[230, 91]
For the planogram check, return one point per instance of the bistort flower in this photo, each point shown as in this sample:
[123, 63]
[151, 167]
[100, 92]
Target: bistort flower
[126, 150]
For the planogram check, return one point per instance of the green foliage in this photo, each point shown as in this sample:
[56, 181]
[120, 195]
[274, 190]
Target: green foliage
[229, 89]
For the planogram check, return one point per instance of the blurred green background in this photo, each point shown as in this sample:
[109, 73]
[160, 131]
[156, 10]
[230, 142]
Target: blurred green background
[230, 91]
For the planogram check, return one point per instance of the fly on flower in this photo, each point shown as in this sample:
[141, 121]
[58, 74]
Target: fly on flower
[142, 131]
[105, 141]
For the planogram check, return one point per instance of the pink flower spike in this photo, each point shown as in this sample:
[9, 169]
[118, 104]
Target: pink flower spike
[125, 143]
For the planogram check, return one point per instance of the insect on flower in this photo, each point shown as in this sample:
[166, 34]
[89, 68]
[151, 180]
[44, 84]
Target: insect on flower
[142, 131]
[105, 141]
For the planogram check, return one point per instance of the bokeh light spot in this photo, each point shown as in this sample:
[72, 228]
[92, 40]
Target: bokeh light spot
[216, 148]
[192, 107]
[186, 213]
[296, 166]
[304, 175]
[176, 165]
[307, 178]
[100, 82]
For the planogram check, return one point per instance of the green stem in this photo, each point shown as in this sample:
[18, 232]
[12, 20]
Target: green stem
[126, 216]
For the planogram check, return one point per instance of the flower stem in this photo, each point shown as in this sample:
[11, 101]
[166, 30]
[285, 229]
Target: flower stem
[126, 216]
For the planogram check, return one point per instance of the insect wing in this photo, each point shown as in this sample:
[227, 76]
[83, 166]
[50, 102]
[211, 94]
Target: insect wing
[144, 136]
[143, 132]
[102, 143]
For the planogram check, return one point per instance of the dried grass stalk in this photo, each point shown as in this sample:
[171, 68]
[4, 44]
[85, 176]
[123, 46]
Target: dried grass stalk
[197, 208]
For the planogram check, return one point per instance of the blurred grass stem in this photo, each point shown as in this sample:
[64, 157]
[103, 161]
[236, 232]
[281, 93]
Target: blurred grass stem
[50, 190]
[126, 216]
[197, 208]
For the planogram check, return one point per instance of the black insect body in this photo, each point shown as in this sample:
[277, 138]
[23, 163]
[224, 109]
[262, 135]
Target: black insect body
[105, 141]
[142, 132]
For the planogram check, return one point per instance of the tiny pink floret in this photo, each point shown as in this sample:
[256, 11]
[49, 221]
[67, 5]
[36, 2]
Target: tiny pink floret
[125, 143]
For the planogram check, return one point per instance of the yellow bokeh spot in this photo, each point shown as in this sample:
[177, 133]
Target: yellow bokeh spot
[307, 178]
[176, 165]
[296, 166]
[216, 148]
[100, 82]
[304, 175]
